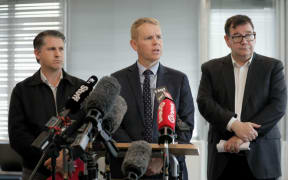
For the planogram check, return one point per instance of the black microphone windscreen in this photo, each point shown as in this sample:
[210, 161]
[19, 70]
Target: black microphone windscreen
[137, 158]
[104, 94]
[74, 102]
[113, 119]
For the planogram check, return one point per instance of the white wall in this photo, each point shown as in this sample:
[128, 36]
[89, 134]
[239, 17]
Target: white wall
[99, 34]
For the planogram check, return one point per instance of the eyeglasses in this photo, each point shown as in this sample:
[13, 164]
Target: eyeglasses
[247, 37]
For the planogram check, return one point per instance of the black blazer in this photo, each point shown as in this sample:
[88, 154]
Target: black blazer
[264, 103]
[132, 126]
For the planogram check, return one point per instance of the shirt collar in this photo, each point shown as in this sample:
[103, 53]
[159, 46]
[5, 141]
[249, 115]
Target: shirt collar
[44, 79]
[154, 68]
[246, 64]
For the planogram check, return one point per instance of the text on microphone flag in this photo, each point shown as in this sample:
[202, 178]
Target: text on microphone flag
[83, 88]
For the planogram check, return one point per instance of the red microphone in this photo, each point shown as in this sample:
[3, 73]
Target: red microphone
[166, 121]
[166, 127]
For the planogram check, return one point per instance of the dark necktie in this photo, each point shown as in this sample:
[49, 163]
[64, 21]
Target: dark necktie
[147, 107]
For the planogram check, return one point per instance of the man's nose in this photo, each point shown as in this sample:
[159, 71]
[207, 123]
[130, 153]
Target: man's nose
[155, 40]
[57, 52]
[244, 40]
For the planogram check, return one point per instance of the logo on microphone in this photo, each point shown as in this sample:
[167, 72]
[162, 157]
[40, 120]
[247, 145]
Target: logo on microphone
[160, 110]
[82, 89]
[171, 116]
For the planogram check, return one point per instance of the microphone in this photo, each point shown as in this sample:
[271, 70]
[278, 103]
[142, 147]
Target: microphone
[136, 160]
[162, 93]
[104, 95]
[166, 121]
[111, 123]
[98, 104]
[97, 108]
[113, 119]
[74, 102]
[166, 127]
[72, 105]
[84, 134]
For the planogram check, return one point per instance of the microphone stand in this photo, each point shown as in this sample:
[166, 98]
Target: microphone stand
[54, 155]
[92, 165]
[174, 168]
[107, 174]
[166, 138]
[68, 164]
[96, 119]
[39, 163]
[52, 144]
[53, 152]
[166, 161]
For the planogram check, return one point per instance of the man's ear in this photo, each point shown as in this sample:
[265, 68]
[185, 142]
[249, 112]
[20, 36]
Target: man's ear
[133, 44]
[227, 40]
[37, 54]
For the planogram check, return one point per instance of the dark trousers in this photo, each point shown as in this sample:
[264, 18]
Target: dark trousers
[238, 169]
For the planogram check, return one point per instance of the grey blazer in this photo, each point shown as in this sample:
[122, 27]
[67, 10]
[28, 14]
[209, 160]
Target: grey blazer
[264, 103]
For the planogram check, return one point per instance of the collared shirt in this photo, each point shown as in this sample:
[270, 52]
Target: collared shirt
[153, 79]
[53, 88]
[240, 75]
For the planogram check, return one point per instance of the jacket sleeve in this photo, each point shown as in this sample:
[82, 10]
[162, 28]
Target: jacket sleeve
[209, 108]
[185, 112]
[18, 127]
[276, 105]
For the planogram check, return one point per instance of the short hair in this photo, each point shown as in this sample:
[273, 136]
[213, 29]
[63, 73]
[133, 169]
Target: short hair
[39, 39]
[139, 22]
[235, 21]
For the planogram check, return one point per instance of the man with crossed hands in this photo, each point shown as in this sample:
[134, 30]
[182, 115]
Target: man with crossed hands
[243, 96]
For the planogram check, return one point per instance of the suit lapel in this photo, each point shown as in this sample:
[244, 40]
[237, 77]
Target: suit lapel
[229, 80]
[252, 72]
[134, 82]
[161, 81]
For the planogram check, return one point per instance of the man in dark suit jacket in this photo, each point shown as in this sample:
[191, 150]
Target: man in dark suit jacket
[146, 40]
[243, 96]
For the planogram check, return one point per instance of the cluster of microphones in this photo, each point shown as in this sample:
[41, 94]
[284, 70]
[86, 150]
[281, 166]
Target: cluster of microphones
[139, 153]
[104, 110]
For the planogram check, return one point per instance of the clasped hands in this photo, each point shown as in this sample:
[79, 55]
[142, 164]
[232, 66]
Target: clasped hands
[244, 132]
[154, 167]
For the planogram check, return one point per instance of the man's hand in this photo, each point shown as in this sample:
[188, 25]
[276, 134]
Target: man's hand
[59, 163]
[233, 144]
[245, 130]
[154, 167]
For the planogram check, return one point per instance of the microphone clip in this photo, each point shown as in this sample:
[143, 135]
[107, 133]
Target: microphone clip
[167, 135]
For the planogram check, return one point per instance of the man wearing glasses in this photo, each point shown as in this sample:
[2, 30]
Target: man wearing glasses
[243, 96]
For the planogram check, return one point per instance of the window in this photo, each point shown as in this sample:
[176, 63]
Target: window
[20, 22]
[264, 26]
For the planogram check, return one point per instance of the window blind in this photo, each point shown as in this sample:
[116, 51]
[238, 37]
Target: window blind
[20, 22]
